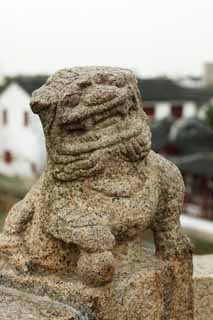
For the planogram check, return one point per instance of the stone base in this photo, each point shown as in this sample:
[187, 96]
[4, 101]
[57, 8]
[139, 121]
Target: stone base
[203, 287]
[17, 305]
[147, 289]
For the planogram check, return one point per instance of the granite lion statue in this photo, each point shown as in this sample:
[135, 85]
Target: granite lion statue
[103, 185]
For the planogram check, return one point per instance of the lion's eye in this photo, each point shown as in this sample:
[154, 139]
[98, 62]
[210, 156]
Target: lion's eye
[71, 100]
[75, 99]
[101, 95]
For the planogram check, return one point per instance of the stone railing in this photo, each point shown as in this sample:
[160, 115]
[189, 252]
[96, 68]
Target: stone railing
[203, 287]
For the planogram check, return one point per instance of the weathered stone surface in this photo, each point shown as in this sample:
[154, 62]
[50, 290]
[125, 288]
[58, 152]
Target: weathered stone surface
[203, 287]
[16, 305]
[143, 287]
[102, 188]
[202, 282]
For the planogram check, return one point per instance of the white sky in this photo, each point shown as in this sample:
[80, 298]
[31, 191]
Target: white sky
[153, 37]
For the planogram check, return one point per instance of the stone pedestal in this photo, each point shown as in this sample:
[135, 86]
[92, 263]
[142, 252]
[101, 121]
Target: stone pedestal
[144, 288]
[203, 287]
[17, 305]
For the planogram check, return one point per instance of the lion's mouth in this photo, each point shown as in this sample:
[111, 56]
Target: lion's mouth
[92, 124]
[78, 140]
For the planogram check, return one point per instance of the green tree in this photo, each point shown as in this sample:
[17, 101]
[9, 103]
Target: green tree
[209, 115]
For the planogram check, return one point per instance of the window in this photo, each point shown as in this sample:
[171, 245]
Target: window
[177, 111]
[149, 110]
[8, 157]
[4, 117]
[26, 119]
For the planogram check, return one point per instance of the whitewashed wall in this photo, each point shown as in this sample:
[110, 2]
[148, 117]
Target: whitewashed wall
[162, 110]
[189, 109]
[26, 144]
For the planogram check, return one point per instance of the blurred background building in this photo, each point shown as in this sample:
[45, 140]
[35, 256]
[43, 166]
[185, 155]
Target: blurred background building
[208, 74]
[182, 130]
[22, 149]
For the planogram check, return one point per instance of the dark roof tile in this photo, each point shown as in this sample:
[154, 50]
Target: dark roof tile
[164, 89]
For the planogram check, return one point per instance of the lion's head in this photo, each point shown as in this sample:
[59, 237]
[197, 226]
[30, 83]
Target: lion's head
[88, 110]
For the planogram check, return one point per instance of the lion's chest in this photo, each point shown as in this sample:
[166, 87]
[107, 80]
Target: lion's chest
[122, 204]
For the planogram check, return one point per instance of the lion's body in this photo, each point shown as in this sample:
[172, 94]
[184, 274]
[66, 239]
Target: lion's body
[103, 187]
[50, 238]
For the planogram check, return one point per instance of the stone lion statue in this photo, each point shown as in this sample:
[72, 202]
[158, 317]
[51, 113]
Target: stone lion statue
[103, 185]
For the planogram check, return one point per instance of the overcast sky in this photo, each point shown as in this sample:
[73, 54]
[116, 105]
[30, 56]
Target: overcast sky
[154, 37]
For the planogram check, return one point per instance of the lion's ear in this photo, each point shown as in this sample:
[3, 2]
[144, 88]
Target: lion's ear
[42, 99]
[37, 107]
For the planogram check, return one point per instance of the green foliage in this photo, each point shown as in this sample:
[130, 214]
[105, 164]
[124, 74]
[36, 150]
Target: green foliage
[209, 115]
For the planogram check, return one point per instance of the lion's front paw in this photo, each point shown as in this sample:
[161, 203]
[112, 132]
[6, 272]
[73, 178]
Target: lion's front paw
[96, 268]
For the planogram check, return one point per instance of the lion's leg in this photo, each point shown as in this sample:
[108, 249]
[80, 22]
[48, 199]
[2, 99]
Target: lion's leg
[96, 262]
[12, 238]
[95, 240]
[96, 268]
[168, 237]
[174, 248]
[22, 212]
[18, 217]
[169, 240]
[12, 241]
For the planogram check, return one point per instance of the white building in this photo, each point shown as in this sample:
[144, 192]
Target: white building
[162, 109]
[163, 97]
[22, 147]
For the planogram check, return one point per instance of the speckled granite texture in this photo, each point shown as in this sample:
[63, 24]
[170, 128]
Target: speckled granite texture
[16, 305]
[143, 287]
[203, 287]
[102, 188]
